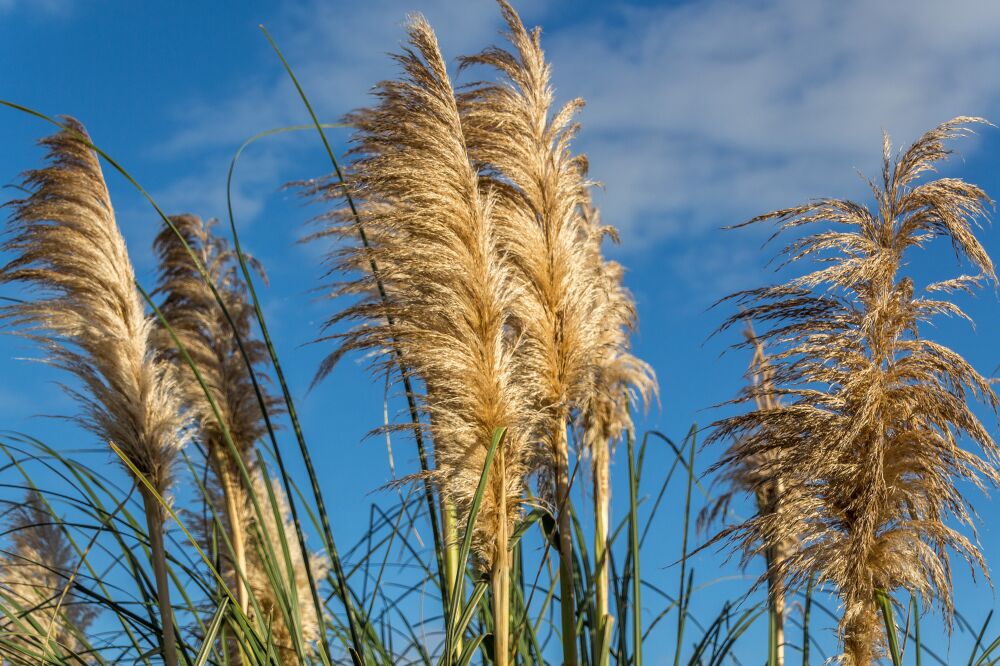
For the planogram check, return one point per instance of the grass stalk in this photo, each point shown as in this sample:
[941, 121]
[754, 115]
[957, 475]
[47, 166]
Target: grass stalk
[237, 534]
[633, 492]
[602, 499]
[567, 596]
[449, 526]
[158, 558]
[775, 611]
[500, 578]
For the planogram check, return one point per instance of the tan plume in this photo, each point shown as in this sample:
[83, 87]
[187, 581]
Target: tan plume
[34, 575]
[433, 234]
[761, 475]
[90, 319]
[867, 434]
[622, 382]
[523, 145]
[213, 343]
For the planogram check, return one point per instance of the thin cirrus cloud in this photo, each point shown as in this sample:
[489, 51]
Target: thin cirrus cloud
[698, 114]
[705, 114]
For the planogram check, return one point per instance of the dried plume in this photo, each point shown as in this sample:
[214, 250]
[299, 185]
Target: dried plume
[35, 571]
[759, 474]
[89, 316]
[522, 145]
[90, 320]
[433, 239]
[191, 310]
[213, 342]
[286, 604]
[622, 382]
[867, 432]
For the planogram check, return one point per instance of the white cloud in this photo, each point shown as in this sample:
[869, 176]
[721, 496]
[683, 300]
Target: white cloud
[47, 7]
[703, 114]
[698, 115]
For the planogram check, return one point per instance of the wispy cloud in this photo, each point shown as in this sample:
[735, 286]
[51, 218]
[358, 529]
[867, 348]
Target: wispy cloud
[698, 115]
[47, 7]
[703, 114]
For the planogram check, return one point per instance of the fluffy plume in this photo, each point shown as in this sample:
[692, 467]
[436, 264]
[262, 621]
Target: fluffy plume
[523, 146]
[34, 574]
[90, 318]
[760, 473]
[91, 322]
[434, 241]
[867, 433]
[286, 604]
[622, 382]
[210, 338]
[190, 307]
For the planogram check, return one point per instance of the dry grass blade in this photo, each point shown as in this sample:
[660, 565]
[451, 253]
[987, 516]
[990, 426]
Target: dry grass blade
[90, 320]
[872, 414]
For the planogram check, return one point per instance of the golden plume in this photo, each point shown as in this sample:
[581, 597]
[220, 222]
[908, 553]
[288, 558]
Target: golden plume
[210, 339]
[622, 383]
[867, 435]
[523, 146]
[90, 319]
[761, 474]
[449, 292]
[34, 575]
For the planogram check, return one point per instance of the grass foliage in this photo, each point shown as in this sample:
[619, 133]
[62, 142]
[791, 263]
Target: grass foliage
[467, 263]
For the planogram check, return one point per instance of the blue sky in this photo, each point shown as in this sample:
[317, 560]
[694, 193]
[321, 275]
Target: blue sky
[699, 115]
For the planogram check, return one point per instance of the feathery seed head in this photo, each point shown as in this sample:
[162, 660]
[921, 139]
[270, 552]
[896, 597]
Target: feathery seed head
[34, 573]
[198, 321]
[434, 287]
[868, 432]
[90, 317]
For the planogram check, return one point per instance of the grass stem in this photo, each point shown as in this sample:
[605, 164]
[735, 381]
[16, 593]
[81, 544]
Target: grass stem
[158, 558]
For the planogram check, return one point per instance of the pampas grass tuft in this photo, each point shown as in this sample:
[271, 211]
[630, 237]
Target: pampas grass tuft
[866, 439]
[34, 574]
[450, 292]
[90, 320]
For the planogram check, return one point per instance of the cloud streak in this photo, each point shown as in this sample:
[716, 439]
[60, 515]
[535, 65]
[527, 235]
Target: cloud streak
[699, 115]
[708, 113]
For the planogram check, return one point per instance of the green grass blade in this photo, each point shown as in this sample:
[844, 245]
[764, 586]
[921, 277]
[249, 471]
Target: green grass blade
[681, 598]
[885, 604]
[979, 638]
[806, 611]
[634, 552]
[208, 642]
